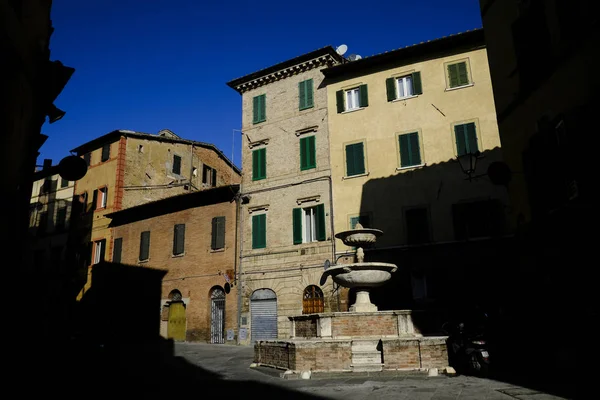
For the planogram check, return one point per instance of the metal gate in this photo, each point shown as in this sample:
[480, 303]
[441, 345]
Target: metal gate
[263, 310]
[217, 315]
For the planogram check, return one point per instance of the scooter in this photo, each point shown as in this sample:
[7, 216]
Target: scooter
[467, 349]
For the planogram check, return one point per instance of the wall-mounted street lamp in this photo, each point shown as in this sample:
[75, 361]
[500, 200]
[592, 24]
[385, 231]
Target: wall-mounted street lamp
[468, 163]
[71, 168]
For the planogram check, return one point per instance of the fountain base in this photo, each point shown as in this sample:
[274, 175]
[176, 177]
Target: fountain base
[363, 302]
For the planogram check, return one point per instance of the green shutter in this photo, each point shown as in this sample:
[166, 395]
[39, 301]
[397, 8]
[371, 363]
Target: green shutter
[471, 138]
[297, 225]
[305, 94]
[263, 163]
[463, 77]
[461, 143]
[302, 94]
[259, 234]
[404, 154]
[309, 93]
[255, 105]
[390, 85]
[312, 152]
[350, 169]
[339, 99]
[416, 83]
[259, 108]
[255, 160]
[307, 153]
[144, 245]
[363, 95]
[453, 75]
[259, 164]
[218, 233]
[178, 239]
[320, 218]
[415, 150]
[117, 249]
[263, 107]
[355, 162]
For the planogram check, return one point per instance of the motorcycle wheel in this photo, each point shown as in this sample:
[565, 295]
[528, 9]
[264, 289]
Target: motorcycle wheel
[478, 366]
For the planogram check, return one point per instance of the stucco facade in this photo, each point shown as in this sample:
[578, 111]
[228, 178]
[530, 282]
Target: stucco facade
[281, 263]
[199, 270]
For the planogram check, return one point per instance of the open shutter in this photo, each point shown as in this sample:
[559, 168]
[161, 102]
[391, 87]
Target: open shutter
[363, 96]
[414, 148]
[214, 177]
[321, 222]
[416, 82]
[461, 144]
[144, 245]
[463, 77]
[390, 86]
[339, 99]
[102, 245]
[453, 75]
[471, 138]
[297, 225]
[179, 239]
[117, 249]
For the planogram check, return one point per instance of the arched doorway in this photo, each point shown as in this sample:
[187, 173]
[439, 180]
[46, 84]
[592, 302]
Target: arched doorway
[217, 315]
[263, 315]
[312, 300]
[177, 322]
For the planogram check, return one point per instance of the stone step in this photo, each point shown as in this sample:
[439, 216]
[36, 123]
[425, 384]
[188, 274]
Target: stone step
[366, 357]
[375, 367]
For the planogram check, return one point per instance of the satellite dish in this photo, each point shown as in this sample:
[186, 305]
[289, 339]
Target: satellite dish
[72, 168]
[341, 49]
[354, 57]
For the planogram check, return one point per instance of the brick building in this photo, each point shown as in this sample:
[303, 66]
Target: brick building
[127, 168]
[286, 228]
[192, 237]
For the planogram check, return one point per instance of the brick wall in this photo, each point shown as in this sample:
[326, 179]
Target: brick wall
[305, 356]
[417, 353]
[364, 325]
[306, 328]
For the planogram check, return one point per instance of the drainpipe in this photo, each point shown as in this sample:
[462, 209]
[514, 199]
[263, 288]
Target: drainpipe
[238, 261]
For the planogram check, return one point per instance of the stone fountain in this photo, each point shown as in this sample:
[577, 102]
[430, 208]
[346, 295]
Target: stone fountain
[362, 339]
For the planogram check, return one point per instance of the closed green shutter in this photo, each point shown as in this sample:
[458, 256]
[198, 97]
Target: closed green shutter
[305, 94]
[320, 222]
[453, 75]
[390, 86]
[471, 138]
[461, 143]
[259, 164]
[259, 109]
[404, 154]
[263, 107]
[144, 245]
[178, 239]
[463, 77]
[255, 105]
[303, 155]
[363, 94]
[339, 99]
[415, 149]
[117, 249]
[355, 162]
[350, 169]
[309, 93]
[302, 94]
[307, 153]
[416, 83]
[297, 225]
[259, 232]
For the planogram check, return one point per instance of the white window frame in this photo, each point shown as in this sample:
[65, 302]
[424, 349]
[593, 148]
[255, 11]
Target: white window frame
[103, 196]
[309, 224]
[97, 251]
[404, 82]
[352, 99]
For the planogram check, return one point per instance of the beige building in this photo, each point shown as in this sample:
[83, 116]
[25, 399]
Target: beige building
[397, 122]
[285, 219]
[127, 168]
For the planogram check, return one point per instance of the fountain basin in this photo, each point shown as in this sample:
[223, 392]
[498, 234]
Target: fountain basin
[365, 274]
[359, 237]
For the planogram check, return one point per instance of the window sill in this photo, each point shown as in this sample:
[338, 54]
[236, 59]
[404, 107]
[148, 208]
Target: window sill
[353, 110]
[258, 179]
[308, 168]
[177, 255]
[410, 167]
[143, 261]
[405, 98]
[306, 108]
[258, 122]
[217, 250]
[355, 176]
[459, 87]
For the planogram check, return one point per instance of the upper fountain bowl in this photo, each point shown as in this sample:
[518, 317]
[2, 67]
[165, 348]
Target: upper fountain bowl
[359, 237]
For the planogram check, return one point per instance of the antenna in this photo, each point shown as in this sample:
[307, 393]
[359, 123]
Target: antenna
[341, 49]
[354, 57]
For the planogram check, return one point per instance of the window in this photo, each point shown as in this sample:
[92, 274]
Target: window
[218, 233]
[105, 152]
[352, 99]
[355, 159]
[117, 249]
[259, 109]
[259, 164]
[144, 246]
[176, 165]
[63, 183]
[209, 176]
[312, 300]
[47, 186]
[178, 239]
[81, 202]
[482, 218]
[259, 231]
[100, 198]
[307, 153]
[417, 225]
[458, 74]
[410, 151]
[87, 157]
[364, 221]
[305, 94]
[61, 218]
[404, 86]
[99, 249]
[309, 224]
[466, 138]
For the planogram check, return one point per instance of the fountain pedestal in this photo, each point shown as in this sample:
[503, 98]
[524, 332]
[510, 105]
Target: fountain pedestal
[363, 302]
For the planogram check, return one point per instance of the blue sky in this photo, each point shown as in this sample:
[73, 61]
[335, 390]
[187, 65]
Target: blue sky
[147, 65]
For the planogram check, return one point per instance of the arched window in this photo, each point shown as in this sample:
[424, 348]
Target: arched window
[312, 301]
[175, 295]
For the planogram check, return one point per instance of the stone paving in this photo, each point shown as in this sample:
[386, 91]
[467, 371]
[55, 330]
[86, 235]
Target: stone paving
[232, 366]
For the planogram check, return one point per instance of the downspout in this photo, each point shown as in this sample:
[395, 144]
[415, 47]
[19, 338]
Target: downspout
[238, 260]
